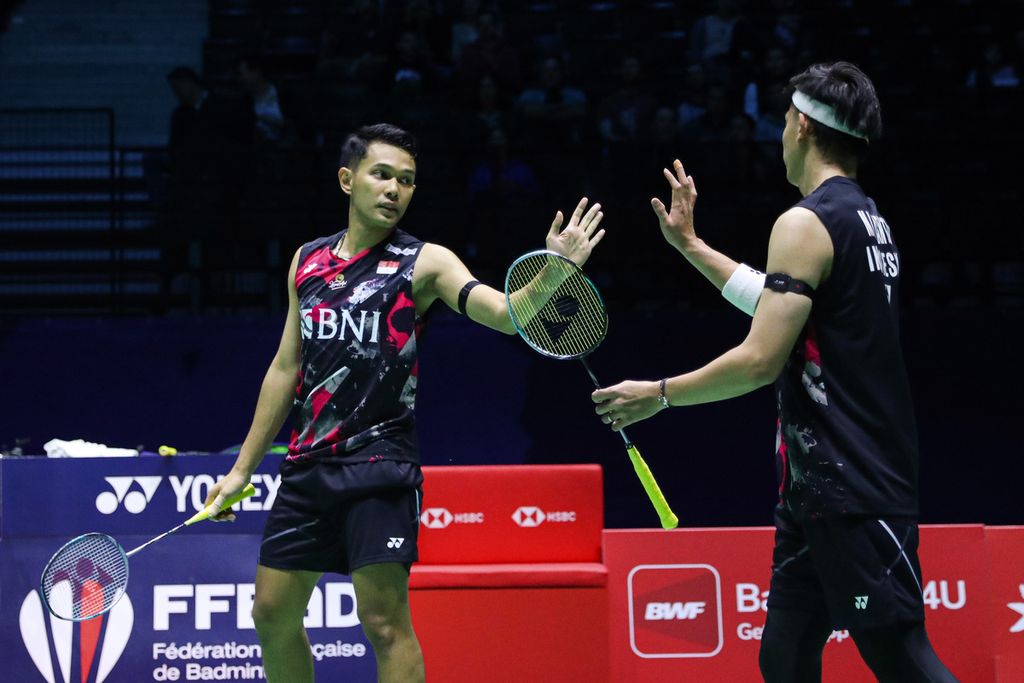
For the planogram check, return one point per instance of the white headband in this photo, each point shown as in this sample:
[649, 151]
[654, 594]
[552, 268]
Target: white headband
[822, 113]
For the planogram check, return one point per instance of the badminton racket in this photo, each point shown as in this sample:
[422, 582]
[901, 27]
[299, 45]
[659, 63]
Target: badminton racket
[89, 574]
[558, 311]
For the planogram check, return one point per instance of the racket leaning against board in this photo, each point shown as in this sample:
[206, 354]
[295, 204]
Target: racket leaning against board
[89, 574]
[558, 311]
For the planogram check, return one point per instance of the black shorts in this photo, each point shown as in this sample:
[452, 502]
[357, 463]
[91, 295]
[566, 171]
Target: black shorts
[863, 572]
[330, 517]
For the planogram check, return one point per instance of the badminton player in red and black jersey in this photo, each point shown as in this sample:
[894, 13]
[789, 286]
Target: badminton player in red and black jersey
[349, 500]
[825, 331]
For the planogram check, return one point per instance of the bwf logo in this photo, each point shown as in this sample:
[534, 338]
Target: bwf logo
[675, 610]
[134, 499]
[75, 652]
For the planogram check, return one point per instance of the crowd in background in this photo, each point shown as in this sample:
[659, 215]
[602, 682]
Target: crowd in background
[521, 108]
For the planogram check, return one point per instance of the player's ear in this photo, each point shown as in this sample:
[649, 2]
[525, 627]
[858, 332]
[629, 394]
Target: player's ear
[345, 176]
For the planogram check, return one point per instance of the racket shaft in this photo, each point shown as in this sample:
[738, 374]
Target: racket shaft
[643, 472]
[205, 513]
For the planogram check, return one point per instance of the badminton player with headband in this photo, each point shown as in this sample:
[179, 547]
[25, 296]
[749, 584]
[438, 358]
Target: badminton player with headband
[825, 331]
[350, 493]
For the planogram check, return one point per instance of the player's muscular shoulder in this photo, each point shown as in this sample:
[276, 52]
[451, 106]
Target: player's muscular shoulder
[800, 246]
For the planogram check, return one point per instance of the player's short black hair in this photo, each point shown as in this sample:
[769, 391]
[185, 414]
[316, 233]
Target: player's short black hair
[183, 73]
[848, 90]
[353, 150]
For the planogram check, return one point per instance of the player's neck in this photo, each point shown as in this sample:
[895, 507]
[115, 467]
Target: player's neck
[817, 170]
[358, 238]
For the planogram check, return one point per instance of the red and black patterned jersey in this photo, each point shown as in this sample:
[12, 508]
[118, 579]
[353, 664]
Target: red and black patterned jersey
[357, 388]
[847, 440]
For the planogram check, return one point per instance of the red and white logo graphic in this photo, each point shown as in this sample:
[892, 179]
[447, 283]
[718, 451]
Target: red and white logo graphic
[51, 642]
[675, 610]
[436, 518]
[528, 516]
[387, 267]
[1018, 607]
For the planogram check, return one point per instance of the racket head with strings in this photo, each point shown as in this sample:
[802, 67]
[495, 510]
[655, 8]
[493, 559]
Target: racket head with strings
[85, 577]
[554, 306]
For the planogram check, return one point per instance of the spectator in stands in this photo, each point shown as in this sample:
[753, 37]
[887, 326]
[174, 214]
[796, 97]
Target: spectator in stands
[764, 99]
[715, 124]
[721, 39]
[349, 40]
[553, 110]
[464, 30]
[694, 100]
[489, 54]
[621, 114]
[269, 124]
[995, 69]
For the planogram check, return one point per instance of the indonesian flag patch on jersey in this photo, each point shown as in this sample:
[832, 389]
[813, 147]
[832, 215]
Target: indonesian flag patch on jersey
[387, 267]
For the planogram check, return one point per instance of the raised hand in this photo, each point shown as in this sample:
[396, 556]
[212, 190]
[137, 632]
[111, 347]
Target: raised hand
[677, 223]
[580, 236]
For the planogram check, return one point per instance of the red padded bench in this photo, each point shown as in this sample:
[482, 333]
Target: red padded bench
[514, 550]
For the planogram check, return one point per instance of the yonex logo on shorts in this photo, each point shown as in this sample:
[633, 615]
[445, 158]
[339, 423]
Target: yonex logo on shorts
[395, 543]
[134, 501]
[860, 602]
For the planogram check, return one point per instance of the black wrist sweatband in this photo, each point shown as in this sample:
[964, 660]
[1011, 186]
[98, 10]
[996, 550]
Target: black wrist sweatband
[464, 294]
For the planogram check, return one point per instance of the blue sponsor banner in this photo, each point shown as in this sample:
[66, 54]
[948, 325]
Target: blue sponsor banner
[186, 615]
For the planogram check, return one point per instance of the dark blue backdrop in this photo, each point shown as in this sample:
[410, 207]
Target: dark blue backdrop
[486, 398]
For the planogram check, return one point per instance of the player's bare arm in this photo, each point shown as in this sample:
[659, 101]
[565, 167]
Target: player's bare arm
[440, 274]
[799, 247]
[275, 400]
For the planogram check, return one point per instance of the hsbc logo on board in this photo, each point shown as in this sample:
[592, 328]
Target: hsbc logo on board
[75, 652]
[529, 516]
[675, 611]
[440, 518]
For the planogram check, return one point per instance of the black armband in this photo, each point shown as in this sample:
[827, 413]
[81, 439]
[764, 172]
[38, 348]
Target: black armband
[464, 294]
[780, 282]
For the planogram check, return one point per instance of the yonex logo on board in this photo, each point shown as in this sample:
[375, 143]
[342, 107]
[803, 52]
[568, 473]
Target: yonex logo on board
[52, 650]
[134, 493]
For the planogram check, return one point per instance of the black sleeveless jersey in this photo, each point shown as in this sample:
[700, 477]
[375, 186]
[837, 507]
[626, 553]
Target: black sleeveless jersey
[847, 441]
[357, 389]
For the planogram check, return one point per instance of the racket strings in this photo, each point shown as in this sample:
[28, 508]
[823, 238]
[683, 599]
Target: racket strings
[85, 577]
[568, 320]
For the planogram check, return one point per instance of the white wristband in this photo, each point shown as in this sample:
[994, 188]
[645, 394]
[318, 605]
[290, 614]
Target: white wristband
[744, 288]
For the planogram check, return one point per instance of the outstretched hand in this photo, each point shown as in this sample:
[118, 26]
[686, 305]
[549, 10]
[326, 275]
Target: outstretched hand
[677, 222]
[580, 236]
[626, 402]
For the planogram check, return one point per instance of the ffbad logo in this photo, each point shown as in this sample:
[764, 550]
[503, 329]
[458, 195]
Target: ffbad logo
[74, 652]
[675, 610]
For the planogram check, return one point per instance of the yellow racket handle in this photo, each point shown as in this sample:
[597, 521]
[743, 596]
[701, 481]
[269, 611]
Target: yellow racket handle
[208, 512]
[643, 472]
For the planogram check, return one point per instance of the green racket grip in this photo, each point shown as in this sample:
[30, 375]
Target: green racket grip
[643, 472]
[208, 512]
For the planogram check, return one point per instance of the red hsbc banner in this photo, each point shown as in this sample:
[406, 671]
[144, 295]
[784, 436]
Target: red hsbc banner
[511, 513]
[691, 604]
